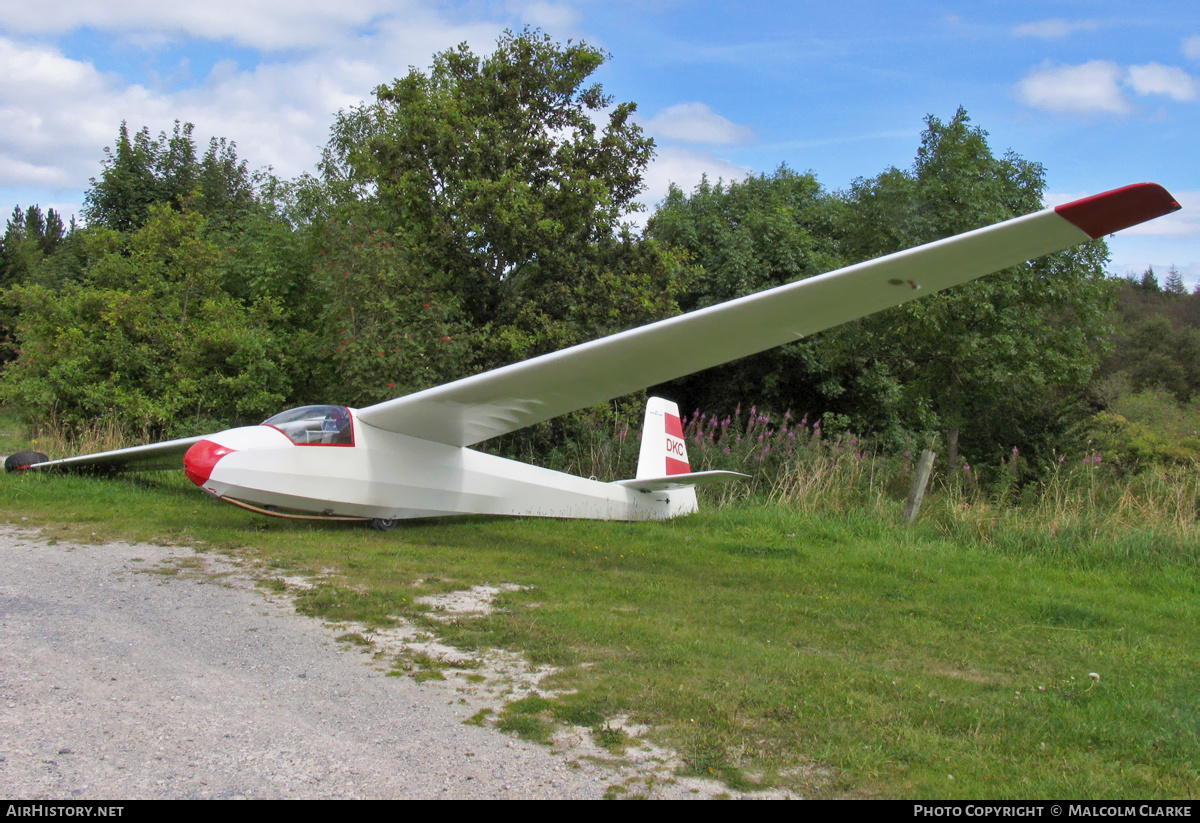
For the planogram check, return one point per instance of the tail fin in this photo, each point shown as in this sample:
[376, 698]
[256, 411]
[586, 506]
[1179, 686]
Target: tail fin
[663, 452]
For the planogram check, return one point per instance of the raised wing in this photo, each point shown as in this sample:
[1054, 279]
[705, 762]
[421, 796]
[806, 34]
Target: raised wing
[503, 400]
[157, 456]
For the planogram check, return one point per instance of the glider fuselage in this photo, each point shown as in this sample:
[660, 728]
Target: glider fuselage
[383, 475]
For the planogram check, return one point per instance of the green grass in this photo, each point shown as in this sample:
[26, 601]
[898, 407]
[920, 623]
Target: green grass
[833, 655]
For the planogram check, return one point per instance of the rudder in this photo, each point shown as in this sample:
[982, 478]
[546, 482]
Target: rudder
[663, 452]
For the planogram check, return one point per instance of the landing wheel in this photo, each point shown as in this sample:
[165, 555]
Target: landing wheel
[384, 524]
[23, 460]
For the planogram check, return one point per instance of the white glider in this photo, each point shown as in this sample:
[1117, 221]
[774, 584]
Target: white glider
[409, 457]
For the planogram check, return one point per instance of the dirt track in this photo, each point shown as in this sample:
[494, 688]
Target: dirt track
[119, 682]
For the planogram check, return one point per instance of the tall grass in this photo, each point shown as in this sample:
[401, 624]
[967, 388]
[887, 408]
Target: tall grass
[57, 438]
[1078, 507]
[1083, 510]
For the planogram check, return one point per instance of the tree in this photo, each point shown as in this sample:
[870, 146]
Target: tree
[28, 238]
[744, 237]
[1174, 284]
[379, 332]
[993, 350]
[143, 171]
[1155, 344]
[1149, 282]
[147, 337]
[493, 171]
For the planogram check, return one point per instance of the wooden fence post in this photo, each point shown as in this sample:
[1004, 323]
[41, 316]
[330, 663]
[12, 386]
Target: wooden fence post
[917, 493]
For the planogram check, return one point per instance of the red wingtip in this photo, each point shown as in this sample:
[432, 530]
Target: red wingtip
[1118, 209]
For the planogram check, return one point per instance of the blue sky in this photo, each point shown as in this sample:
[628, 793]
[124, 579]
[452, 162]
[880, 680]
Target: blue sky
[1102, 93]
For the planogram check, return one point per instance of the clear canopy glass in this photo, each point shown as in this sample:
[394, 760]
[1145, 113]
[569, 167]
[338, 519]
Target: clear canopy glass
[315, 425]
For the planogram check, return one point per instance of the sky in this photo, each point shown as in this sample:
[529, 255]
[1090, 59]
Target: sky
[1103, 94]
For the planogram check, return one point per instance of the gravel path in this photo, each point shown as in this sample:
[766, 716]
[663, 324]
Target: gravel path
[118, 682]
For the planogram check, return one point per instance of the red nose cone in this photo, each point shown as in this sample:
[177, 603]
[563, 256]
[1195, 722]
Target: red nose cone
[199, 461]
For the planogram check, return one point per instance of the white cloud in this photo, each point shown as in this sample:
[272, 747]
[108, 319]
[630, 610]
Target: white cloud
[55, 116]
[551, 17]
[1183, 223]
[1191, 47]
[1057, 27]
[1155, 78]
[58, 113]
[1096, 86]
[1091, 87]
[684, 167]
[265, 24]
[697, 123]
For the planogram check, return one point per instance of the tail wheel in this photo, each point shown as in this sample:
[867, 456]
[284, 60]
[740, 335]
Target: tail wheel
[23, 460]
[384, 524]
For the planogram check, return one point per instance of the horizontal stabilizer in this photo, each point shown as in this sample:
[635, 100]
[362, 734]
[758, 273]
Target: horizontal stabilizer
[680, 481]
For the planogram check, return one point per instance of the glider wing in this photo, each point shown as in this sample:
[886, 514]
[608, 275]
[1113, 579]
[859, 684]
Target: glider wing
[487, 405]
[154, 457]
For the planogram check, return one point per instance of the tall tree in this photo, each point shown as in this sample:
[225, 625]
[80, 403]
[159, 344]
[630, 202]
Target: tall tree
[743, 237]
[141, 171]
[494, 170]
[1149, 281]
[1174, 284]
[995, 349]
[147, 336]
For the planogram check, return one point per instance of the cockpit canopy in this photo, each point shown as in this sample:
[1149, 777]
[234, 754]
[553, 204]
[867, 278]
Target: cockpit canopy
[315, 425]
